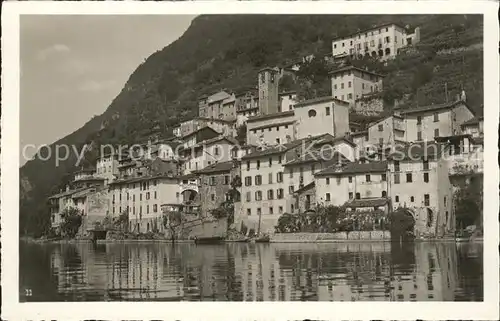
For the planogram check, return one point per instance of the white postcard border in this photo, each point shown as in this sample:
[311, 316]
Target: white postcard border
[13, 310]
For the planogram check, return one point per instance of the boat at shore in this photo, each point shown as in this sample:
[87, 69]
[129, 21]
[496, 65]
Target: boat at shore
[209, 240]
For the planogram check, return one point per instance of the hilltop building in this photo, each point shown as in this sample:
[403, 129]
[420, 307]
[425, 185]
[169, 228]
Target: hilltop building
[287, 100]
[247, 103]
[382, 42]
[387, 131]
[208, 152]
[212, 106]
[268, 91]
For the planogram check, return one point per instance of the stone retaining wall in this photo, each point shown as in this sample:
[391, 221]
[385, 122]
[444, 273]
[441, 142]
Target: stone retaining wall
[331, 237]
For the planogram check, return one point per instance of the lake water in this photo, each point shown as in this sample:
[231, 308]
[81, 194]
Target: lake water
[251, 272]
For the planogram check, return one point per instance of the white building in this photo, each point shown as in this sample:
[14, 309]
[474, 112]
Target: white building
[383, 42]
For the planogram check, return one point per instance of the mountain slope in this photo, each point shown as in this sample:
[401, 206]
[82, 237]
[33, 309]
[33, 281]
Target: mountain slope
[226, 51]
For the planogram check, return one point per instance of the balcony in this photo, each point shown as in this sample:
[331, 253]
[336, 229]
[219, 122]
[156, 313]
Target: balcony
[466, 164]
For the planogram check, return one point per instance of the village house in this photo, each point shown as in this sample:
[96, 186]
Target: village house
[221, 126]
[215, 185]
[59, 202]
[287, 100]
[271, 129]
[320, 116]
[199, 136]
[229, 108]
[208, 152]
[338, 185]
[247, 103]
[418, 180]
[93, 204]
[141, 198]
[86, 178]
[351, 83]
[427, 122]
[107, 166]
[474, 127]
[383, 42]
[387, 131]
[212, 106]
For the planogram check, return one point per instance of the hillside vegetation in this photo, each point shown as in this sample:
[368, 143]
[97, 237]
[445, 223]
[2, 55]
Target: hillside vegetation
[226, 51]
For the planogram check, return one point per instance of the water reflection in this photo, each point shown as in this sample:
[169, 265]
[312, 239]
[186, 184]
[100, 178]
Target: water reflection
[251, 272]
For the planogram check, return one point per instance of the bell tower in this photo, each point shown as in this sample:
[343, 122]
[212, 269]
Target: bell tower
[268, 91]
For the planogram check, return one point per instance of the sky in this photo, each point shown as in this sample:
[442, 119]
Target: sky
[73, 66]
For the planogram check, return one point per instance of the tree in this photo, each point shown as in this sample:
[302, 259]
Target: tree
[172, 220]
[122, 221]
[468, 203]
[71, 221]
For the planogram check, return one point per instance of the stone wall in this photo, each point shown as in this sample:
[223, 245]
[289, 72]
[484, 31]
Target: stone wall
[331, 237]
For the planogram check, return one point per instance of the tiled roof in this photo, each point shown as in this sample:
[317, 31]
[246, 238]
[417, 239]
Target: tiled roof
[369, 29]
[67, 193]
[319, 156]
[423, 109]
[271, 116]
[215, 140]
[360, 133]
[319, 100]
[367, 202]
[217, 167]
[290, 92]
[84, 192]
[473, 121]
[420, 150]
[305, 188]
[286, 123]
[355, 168]
[221, 95]
[203, 131]
[347, 68]
[140, 179]
[285, 147]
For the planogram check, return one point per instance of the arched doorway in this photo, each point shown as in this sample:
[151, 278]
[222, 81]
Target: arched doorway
[387, 51]
[381, 53]
[374, 54]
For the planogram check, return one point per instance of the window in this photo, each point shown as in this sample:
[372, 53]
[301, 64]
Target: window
[279, 177]
[258, 196]
[362, 86]
[368, 178]
[280, 193]
[396, 178]
[291, 172]
[248, 165]
[350, 179]
[358, 196]
[383, 177]
[381, 128]
[381, 141]
[311, 113]
[342, 86]
[436, 132]
[271, 210]
[426, 177]
[408, 178]
[270, 161]
[419, 120]
[396, 166]
[412, 199]
[396, 198]
[350, 195]
[427, 199]
[327, 197]
[335, 86]
[342, 97]
[277, 141]
[258, 180]
[248, 181]
[290, 189]
[436, 117]
[249, 211]
[425, 165]
[270, 129]
[140, 197]
[212, 196]
[249, 196]
[327, 110]
[212, 181]
[259, 212]
[277, 128]
[258, 164]
[216, 151]
[156, 196]
[226, 179]
[419, 135]
[327, 181]
[335, 46]
[349, 96]
[280, 210]
[270, 179]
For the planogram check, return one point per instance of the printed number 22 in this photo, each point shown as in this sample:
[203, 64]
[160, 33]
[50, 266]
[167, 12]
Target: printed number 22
[28, 292]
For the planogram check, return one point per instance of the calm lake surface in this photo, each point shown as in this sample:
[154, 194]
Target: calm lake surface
[251, 272]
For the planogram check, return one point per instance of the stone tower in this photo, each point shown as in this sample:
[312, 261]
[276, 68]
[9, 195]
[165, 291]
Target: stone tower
[268, 91]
